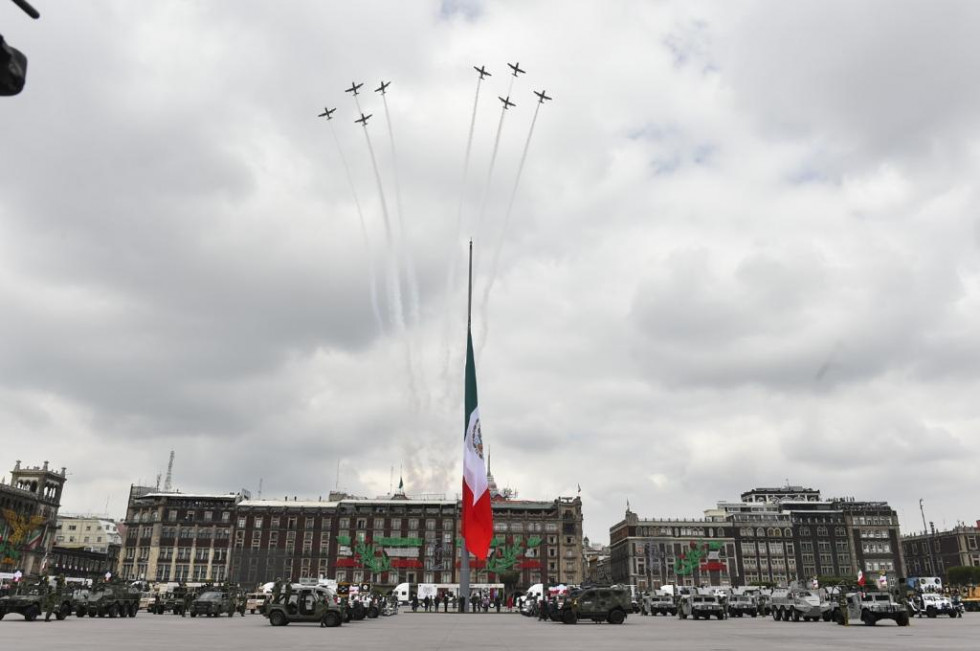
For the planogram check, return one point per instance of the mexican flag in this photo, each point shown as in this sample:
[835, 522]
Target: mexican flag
[860, 578]
[477, 515]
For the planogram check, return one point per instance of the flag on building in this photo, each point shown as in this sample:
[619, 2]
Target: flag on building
[477, 514]
[860, 578]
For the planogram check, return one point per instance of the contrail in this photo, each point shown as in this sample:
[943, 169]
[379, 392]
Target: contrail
[413, 289]
[542, 97]
[364, 232]
[454, 256]
[394, 285]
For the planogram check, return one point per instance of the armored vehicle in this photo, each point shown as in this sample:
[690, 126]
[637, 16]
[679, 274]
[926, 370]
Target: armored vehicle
[600, 604]
[32, 601]
[741, 605]
[658, 604]
[697, 606]
[217, 602]
[108, 599]
[869, 608]
[932, 604]
[796, 604]
[305, 604]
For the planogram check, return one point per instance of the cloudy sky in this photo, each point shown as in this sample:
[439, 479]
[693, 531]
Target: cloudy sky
[739, 248]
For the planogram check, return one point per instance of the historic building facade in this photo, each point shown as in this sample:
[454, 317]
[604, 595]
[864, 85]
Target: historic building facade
[174, 536]
[772, 535]
[28, 516]
[933, 553]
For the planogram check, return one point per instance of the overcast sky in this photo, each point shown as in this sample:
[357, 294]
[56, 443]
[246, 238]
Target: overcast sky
[742, 249]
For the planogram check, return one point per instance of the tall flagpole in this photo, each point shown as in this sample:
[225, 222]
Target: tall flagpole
[464, 563]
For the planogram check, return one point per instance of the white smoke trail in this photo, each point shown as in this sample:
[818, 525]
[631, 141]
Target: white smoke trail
[488, 287]
[364, 232]
[454, 255]
[394, 284]
[493, 160]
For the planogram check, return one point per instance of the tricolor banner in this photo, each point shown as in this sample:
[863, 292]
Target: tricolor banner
[477, 514]
[860, 578]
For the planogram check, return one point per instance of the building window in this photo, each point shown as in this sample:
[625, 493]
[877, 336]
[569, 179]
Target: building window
[396, 525]
[241, 522]
[344, 524]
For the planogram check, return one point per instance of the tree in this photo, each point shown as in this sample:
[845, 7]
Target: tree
[963, 575]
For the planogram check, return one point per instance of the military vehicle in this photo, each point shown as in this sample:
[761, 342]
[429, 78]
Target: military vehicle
[658, 604]
[740, 605]
[108, 599]
[932, 605]
[798, 604]
[305, 604]
[255, 602]
[599, 604]
[215, 602]
[869, 608]
[31, 601]
[697, 606]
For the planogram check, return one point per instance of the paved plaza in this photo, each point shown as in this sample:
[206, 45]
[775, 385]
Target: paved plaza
[429, 632]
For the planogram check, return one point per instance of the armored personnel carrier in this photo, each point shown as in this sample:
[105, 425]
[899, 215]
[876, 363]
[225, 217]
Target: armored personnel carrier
[869, 608]
[599, 604]
[797, 604]
[697, 606]
[31, 601]
[108, 599]
[306, 604]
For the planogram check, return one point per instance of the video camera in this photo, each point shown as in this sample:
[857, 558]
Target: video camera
[13, 63]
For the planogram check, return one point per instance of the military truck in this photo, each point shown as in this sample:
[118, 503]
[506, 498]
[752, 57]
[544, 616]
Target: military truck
[932, 605]
[306, 604]
[599, 604]
[108, 599]
[798, 604]
[658, 604]
[869, 608]
[216, 602]
[740, 605]
[697, 606]
[30, 601]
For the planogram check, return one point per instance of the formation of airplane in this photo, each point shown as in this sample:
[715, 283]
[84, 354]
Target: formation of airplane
[483, 73]
[327, 113]
[516, 67]
[353, 88]
[364, 119]
[382, 87]
[542, 96]
[507, 102]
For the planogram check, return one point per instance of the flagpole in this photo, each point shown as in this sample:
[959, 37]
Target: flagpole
[464, 562]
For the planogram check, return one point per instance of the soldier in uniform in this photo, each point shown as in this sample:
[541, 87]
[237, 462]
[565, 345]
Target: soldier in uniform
[49, 596]
[276, 590]
[188, 600]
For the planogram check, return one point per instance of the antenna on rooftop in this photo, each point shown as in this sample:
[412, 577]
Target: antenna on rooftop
[260, 489]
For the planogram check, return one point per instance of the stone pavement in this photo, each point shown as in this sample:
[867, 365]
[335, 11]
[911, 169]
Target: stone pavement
[434, 632]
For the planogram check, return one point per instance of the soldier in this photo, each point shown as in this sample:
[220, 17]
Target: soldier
[188, 600]
[50, 598]
[276, 590]
[288, 592]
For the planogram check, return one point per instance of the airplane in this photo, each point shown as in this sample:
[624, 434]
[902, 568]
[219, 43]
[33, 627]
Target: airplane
[382, 87]
[516, 67]
[364, 118]
[353, 88]
[327, 113]
[507, 102]
[542, 96]
[483, 73]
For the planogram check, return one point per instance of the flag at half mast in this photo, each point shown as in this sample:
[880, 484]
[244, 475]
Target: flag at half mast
[477, 514]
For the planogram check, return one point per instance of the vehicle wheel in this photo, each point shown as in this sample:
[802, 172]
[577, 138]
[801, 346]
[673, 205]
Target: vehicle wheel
[902, 619]
[721, 616]
[568, 617]
[616, 617]
[113, 610]
[193, 614]
[31, 613]
[92, 613]
[80, 612]
[868, 618]
[372, 612]
[277, 618]
[2, 613]
[346, 616]
[331, 618]
[755, 614]
[796, 616]
[775, 615]
[931, 612]
[63, 612]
